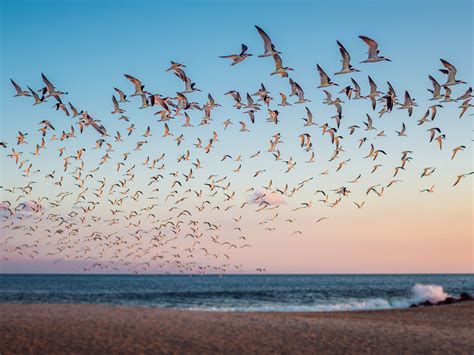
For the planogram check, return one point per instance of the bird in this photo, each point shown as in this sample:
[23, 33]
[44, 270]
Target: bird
[346, 58]
[136, 202]
[268, 47]
[373, 54]
[436, 89]
[456, 150]
[238, 58]
[325, 81]
[373, 93]
[451, 71]
[464, 107]
[402, 133]
[460, 177]
[137, 85]
[429, 189]
[300, 94]
[19, 91]
[279, 68]
[408, 104]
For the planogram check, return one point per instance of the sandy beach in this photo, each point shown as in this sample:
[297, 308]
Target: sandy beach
[112, 329]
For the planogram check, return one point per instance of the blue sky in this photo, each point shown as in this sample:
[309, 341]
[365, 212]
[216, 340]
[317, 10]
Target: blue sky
[85, 47]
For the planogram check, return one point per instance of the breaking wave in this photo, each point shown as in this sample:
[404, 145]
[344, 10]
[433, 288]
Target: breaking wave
[419, 294]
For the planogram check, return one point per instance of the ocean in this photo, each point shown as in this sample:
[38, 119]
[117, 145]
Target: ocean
[261, 293]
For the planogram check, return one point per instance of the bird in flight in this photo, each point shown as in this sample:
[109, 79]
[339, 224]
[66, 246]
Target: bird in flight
[238, 58]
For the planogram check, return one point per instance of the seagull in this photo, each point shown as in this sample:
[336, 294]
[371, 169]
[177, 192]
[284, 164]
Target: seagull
[440, 139]
[447, 95]
[433, 132]
[238, 58]
[283, 100]
[269, 48]
[402, 132]
[50, 87]
[369, 123]
[175, 66]
[189, 86]
[456, 150]
[465, 106]
[436, 89]
[408, 104]
[243, 127]
[373, 51]
[467, 95]
[19, 91]
[346, 66]
[38, 100]
[300, 94]
[117, 109]
[356, 90]
[451, 72]
[279, 68]
[309, 118]
[430, 189]
[324, 78]
[123, 97]
[460, 177]
[373, 93]
[137, 84]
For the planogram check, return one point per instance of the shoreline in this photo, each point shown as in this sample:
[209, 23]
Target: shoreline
[81, 328]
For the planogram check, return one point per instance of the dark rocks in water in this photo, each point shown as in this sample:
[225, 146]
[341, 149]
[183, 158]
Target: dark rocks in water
[449, 300]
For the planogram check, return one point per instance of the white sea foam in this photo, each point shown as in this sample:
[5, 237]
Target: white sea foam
[432, 293]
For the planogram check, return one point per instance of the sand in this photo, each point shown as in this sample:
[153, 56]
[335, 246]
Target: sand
[93, 329]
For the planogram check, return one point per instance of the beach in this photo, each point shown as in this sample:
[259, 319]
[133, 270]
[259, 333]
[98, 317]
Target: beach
[81, 329]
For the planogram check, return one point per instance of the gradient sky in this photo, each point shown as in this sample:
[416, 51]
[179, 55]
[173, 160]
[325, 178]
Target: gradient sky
[85, 47]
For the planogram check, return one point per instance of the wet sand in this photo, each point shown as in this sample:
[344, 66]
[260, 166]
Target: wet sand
[93, 329]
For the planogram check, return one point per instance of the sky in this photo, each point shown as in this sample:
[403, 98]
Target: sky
[85, 47]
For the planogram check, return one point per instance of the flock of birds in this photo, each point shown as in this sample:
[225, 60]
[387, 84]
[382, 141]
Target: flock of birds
[130, 212]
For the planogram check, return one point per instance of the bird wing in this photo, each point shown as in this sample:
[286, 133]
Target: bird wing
[372, 45]
[345, 55]
[135, 82]
[267, 42]
[323, 76]
[47, 83]
[17, 87]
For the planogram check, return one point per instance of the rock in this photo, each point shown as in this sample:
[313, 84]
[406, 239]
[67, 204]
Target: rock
[450, 300]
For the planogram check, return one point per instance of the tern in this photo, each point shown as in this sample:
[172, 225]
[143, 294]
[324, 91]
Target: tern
[238, 58]
[373, 51]
[346, 58]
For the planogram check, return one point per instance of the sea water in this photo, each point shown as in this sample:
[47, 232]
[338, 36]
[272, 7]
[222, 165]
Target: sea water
[280, 293]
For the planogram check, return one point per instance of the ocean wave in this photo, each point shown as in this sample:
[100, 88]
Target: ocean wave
[420, 294]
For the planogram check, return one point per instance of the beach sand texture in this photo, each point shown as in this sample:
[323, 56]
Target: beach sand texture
[93, 329]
